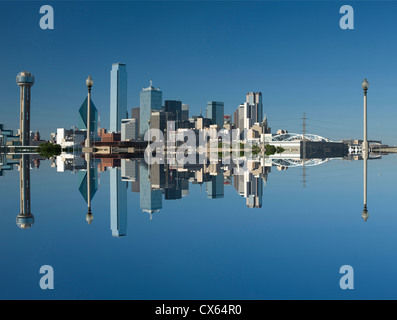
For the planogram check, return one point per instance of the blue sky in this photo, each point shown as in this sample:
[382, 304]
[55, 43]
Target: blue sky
[294, 52]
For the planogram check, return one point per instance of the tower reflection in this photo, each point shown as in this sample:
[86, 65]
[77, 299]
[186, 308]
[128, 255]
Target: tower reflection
[365, 214]
[25, 218]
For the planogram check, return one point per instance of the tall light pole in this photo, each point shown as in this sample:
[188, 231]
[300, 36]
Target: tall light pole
[365, 150]
[365, 86]
[89, 82]
[89, 216]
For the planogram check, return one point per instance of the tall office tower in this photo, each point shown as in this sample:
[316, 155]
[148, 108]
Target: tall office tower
[242, 115]
[130, 173]
[254, 99]
[185, 186]
[215, 186]
[163, 121]
[174, 108]
[135, 113]
[215, 112]
[238, 183]
[172, 184]
[25, 218]
[150, 99]
[150, 200]
[245, 117]
[236, 115]
[118, 96]
[185, 112]
[118, 203]
[241, 118]
[25, 80]
[253, 190]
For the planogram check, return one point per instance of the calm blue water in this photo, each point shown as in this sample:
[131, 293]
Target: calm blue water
[199, 248]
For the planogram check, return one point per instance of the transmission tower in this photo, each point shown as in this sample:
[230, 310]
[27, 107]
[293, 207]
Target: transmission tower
[304, 149]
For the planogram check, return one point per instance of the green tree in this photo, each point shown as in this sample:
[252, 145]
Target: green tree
[270, 149]
[49, 150]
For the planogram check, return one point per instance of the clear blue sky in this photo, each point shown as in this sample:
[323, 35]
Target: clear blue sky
[294, 52]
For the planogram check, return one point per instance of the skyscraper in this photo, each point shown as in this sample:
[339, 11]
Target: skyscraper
[25, 80]
[238, 117]
[150, 199]
[118, 203]
[185, 112]
[254, 99]
[253, 190]
[174, 107]
[249, 112]
[215, 186]
[135, 114]
[118, 96]
[150, 99]
[215, 112]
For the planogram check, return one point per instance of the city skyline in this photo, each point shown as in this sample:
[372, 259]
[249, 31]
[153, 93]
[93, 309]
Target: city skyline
[198, 150]
[328, 92]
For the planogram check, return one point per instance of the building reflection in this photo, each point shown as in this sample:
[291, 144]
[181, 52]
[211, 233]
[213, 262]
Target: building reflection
[150, 193]
[365, 213]
[25, 218]
[88, 184]
[118, 203]
[157, 182]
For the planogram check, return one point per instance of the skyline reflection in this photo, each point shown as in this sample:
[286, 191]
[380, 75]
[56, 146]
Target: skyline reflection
[155, 182]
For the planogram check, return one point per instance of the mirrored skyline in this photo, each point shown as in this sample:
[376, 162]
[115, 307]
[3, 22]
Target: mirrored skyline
[183, 150]
[157, 182]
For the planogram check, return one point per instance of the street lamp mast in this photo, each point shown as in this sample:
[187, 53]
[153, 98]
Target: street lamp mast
[89, 82]
[365, 149]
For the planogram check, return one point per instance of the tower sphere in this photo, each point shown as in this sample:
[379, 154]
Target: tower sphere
[25, 221]
[25, 78]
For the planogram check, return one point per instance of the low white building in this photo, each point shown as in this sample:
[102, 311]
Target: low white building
[69, 162]
[69, 138]
[129, 129]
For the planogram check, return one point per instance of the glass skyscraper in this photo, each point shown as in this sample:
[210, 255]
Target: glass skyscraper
[118, 203]
[254, 99]
[118, 96]
[215, 112]
[249, 112]
[150, 99]
[215, 186]
[150, 199]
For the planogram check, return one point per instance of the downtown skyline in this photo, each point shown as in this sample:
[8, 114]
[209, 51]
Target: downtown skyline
[289, 87]
[270, 172]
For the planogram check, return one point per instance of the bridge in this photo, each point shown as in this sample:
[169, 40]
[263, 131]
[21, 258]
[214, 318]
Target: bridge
[305, 150]
[287, 162]
[20, 149]
[299, 137]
